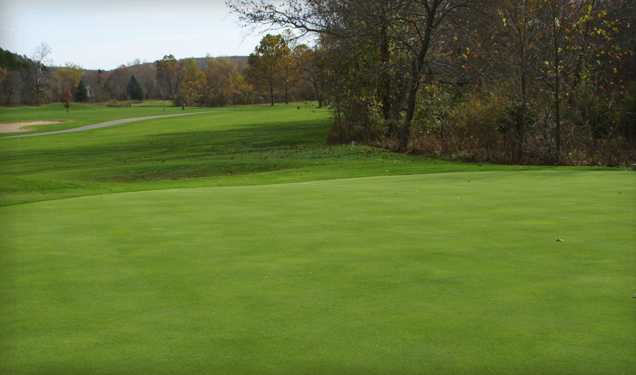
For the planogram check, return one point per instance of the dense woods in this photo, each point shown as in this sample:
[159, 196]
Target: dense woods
[523, 81]
[277, 71]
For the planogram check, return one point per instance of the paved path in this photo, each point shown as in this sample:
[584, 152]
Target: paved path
[106, 124]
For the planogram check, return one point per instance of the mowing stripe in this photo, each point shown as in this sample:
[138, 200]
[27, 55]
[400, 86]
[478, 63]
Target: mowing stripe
[106, 124]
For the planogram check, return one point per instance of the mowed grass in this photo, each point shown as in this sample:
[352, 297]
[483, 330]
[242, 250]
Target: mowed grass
[245, 245]
[81, 114]
[229, 146]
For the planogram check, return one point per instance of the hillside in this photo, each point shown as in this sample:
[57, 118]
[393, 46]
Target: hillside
[201, 62]
[13, 61]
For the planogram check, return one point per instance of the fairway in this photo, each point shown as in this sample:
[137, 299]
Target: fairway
[237, 242]
[80, 114]
[249, 145]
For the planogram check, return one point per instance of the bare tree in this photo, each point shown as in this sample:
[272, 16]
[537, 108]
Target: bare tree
[40, 59]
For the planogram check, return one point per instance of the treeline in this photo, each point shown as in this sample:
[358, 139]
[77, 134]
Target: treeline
[523, 81]
[276, 72]
[23, 79]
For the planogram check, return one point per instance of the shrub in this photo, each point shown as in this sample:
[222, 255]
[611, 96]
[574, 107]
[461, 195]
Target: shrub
[434, 106]
[482, 126]
[357, 120]
[474, 127]
[628, 115]
[119, 103]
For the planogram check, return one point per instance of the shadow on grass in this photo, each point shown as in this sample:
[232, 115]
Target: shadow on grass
[246, 149]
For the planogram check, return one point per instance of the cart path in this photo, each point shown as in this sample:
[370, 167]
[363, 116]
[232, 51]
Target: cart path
[106, 124]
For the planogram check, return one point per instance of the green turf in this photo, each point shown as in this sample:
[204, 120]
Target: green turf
[81, 114]
[438, 274]
[229, 146]
[294, 267]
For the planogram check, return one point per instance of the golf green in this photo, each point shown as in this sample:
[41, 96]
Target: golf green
[499, 272]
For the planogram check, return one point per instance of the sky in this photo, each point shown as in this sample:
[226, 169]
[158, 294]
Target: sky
[103, 34]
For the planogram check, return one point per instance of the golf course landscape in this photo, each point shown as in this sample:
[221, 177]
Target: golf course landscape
[235, 240]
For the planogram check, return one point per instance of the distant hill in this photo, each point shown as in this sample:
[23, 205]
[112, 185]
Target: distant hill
[13, 61]
[201, 61]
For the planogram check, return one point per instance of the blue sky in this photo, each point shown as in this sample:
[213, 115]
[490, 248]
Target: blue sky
[107, 33]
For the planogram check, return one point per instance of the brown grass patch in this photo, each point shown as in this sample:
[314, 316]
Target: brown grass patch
[21, 127]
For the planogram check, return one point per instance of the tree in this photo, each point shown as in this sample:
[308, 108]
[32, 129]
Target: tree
[222, 84]
[556, 21]
[12, 61]
[67, 78]
[39, 72]
[267, 66]
[96, 81]
[81, 92]
[146, 74]
[385, 44]
[523, 68]
[290, 72]
[309, 71]
[424, 18]
[135, 92]
[66, 99]
[167, 76]
[243, 91]
[192, 83]
[579, 45]
[116, 83]
[519, 46]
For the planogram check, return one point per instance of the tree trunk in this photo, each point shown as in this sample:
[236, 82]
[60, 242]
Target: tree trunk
[385, 78]
[271, 93]
[414, 86]
[416, 74]
[317, 93]
[557, 87]
[523, 112]
[286, 93]
[410, 111]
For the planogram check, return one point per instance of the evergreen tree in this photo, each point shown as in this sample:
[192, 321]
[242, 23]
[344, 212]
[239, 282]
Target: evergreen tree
[81, 92]
[135, 92]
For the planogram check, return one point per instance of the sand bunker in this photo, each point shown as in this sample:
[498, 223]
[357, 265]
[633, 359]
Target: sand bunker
[21, 127]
